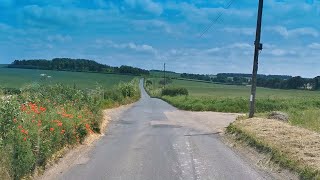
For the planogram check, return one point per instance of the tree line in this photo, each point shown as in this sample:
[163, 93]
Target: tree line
[268, 81]
[79, 65]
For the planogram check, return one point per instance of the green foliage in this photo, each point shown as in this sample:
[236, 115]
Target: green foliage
[166, 81]
[148, 82]
[80, 65]
[43, 119]
[174, 91]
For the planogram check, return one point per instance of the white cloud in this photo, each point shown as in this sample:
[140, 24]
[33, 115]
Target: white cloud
[59, 38]
[243, 31]
[314, 45]
[153, 25]
[147, 5]
[133, 46]
[304, 31]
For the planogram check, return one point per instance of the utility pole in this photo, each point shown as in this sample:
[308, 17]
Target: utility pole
[164, 75]
[257, 48]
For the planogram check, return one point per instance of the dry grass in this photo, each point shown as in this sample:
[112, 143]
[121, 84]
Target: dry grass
[298, 144]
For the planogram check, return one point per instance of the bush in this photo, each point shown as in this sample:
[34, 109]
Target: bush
[168, 81]
[174, 91]
[148, 82]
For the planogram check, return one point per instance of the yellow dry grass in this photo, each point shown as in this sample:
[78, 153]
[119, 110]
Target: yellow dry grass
[296, 143]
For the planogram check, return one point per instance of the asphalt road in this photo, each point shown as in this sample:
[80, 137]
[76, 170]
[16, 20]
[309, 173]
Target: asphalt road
[135, 148]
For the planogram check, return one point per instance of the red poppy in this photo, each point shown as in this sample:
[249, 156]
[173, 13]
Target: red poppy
[42, 109]
[51, 129]
[63, 131]
[59, 124]
[24, 139]
[20, 127]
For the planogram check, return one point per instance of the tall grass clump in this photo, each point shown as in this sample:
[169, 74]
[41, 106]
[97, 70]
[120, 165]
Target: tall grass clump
[41, 120]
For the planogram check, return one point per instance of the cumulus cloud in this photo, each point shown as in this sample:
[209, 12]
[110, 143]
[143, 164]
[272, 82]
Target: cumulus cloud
[303, 31]
[145, 48]
[242, 31]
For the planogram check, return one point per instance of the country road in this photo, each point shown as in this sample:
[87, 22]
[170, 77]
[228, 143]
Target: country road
[153, 140]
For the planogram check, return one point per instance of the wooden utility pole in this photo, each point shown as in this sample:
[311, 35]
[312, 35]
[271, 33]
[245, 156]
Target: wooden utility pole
[257, 48]
[164, 75]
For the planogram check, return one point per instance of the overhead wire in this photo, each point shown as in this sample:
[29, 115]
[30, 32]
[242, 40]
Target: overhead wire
[216, 19]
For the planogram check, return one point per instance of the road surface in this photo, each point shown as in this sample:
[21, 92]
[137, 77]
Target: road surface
[146, 143]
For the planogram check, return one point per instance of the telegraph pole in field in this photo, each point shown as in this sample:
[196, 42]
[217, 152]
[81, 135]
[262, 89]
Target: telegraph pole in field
[164, 75]
[257, 49]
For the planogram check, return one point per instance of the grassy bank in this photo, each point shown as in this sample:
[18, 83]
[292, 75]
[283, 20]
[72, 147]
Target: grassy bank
[288, 146]
[303, 107]
[43, 119]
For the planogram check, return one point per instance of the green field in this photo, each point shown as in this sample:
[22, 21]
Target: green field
[302, 106]
[17, 78]
[202, 89]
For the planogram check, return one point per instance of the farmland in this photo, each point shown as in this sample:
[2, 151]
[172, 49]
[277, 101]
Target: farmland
[17, 78]
[302, 106]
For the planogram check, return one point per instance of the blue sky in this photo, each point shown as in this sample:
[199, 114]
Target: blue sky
[146, 33]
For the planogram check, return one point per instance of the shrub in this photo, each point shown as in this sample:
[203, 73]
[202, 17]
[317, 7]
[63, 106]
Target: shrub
[168, 81]
[174, 91]
[148, 82]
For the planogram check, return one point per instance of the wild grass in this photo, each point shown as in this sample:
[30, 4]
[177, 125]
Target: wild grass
[276, 155]
[302, 106]
[43, 119]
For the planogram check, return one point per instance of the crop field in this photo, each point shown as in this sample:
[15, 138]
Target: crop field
[17, 78]
[302, 106]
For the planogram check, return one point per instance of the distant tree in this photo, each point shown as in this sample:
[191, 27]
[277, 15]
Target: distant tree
[81, 65]
[295, 82]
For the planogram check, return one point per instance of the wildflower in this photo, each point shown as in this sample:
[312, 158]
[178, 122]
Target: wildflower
[24, 139]
[39, 124]
[22, 131]
[79, 117]
[42, 109]
[59, 124]
[51, 129]
[20, 127]
[63, 131]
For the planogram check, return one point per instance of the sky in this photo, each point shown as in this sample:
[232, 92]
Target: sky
[147, 33]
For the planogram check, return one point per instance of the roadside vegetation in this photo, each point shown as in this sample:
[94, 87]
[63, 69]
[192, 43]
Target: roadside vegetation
[302, 106]
[290, 147]
[44, 118]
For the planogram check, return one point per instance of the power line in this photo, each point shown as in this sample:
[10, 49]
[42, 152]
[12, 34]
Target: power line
[216, 19]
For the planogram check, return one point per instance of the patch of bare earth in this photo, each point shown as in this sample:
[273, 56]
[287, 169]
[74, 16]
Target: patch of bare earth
[69, 157]
[207, 122]
[296, 143]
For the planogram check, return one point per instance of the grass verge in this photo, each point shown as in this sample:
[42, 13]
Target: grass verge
[280, 142]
